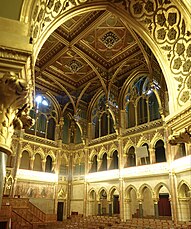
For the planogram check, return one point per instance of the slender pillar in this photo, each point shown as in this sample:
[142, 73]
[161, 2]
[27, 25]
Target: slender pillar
[43, 165]
[3, 161]
[156, 209]
[121, 180]
[110, 208]
[85, 207]
[174, 196]
[99, 208]
[127, 210]
[140, 209]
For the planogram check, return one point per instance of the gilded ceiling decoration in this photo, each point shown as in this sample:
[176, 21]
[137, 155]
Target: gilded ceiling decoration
[100, 39]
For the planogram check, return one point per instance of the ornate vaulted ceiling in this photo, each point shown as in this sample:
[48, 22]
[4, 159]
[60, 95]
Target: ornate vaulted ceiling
[87, 51]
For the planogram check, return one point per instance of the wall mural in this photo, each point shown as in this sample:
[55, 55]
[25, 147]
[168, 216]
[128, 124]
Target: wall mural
[161, 18]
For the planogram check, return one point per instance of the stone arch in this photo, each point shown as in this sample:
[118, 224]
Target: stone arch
[102, 151]
[142, 141]
[27, 148]
[146, 194]
[111, 191]
[92, 154]
[158, 187]
[52, 155]
[139, 15]
[128, 189]
[142, 187]
[112, 150]
[89, 193]
[158, 136]
[40, 151]
[183, 188]
[102, 189]
[128, 146]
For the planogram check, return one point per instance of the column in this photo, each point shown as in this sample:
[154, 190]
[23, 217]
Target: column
[174, 196]
[85, 213]
[99, 127]
[127, 210]
[140, 208]
[152, 155]
[109, 161]
[31, 163]
[17, 163]
[99, 208]
[156, 209]
[110, 208]
[121, 180]
[43, 165]
[123, 119]
[69, 191]
[99, 163]
[13, 115]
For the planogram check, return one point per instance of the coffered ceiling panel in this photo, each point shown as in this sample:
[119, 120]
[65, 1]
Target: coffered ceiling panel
[89, 49]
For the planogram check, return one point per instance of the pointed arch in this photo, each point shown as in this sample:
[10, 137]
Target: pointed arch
[128, 189]
[158, 187]
[142, 188]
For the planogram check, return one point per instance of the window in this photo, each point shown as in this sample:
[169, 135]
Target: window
[45, 118]
[102, 121]
[141, 103]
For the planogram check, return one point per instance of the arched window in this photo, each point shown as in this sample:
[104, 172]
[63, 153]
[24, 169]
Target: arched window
[130, 111]
[37, 162]
[65, 132]
[104, 162]
[41, 125]
[146, 160]
[44, 115]
[51, 128]
[102, 121]
[141, 103]
[131, 159]
[142, 115]
[25, 160]
[114, 162]
[160, 151]
[48, 167]
[94, 164]
[78, 136]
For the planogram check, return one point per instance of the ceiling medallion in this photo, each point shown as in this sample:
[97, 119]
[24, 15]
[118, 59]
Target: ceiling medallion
[110, 39]
[74, 66]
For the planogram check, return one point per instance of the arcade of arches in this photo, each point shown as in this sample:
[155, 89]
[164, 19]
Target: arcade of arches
[95, 106]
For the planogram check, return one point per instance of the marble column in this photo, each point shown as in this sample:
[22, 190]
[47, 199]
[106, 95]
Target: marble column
[14, 114]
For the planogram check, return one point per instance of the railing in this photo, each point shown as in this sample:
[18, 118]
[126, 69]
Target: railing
[19, 222]
[37, 212]
[22, 206]
[5, 212]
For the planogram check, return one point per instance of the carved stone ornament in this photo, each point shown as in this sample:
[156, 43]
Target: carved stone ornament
[180, 137]
[14, 94]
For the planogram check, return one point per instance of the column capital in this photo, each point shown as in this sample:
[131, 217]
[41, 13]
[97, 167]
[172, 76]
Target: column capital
[14, 108]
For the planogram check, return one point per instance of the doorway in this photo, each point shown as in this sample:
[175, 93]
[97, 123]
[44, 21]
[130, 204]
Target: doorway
[164, 205]
[60, 211]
